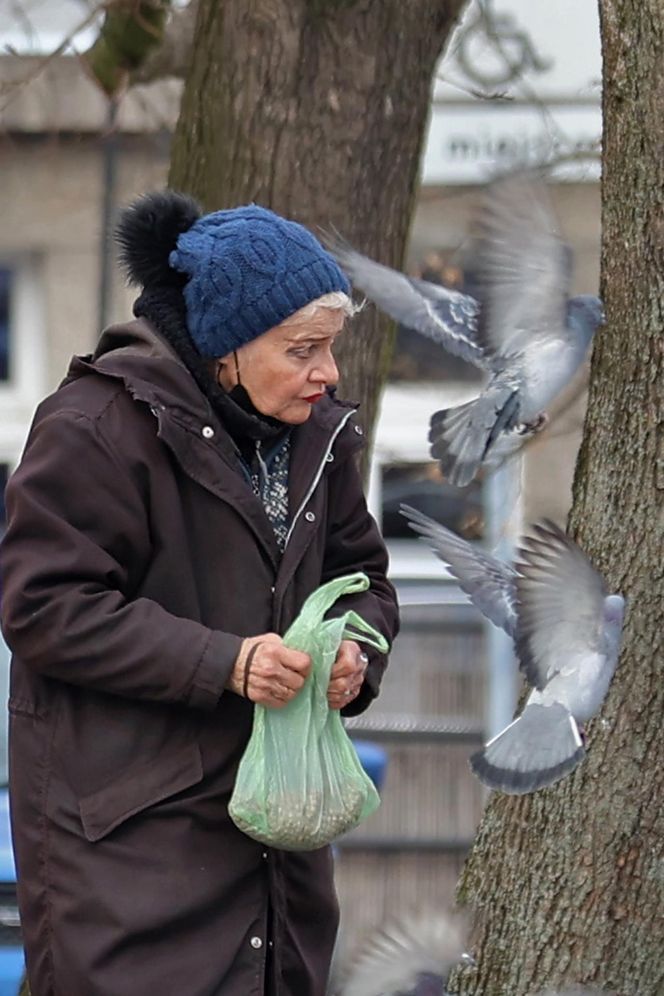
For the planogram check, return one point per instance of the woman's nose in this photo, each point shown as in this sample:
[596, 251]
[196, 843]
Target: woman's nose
[325, 371]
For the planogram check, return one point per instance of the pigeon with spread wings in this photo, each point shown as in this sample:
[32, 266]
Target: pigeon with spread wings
[523, 329]
[566, 631]
[410, 956]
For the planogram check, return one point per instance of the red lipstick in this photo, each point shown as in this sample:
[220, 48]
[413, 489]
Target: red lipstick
[313, 398]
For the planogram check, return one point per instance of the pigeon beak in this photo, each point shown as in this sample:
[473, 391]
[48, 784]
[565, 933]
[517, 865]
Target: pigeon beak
[467, 960]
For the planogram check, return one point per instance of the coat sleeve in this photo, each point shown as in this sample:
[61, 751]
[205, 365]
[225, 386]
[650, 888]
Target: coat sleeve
[353, 544]
[77, 541]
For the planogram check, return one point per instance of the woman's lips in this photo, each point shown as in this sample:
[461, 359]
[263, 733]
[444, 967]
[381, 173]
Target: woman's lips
[313, 398]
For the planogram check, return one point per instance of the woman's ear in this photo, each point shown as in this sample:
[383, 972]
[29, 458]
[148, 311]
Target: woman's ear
[226, 372]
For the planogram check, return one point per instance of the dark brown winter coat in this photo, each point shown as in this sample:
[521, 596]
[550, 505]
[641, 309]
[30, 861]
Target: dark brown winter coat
[136, 559]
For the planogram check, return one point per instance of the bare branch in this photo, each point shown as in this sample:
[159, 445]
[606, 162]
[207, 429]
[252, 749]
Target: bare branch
[12, 87]
[473, 91]
[20, 14]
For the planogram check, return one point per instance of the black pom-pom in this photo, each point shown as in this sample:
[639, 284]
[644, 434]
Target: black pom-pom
[147, 232]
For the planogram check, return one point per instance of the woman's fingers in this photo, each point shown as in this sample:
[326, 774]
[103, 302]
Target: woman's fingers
[347, 674]
[277, 674]
[271, 674]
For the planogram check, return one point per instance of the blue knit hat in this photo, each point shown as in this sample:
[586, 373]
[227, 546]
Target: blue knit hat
[248, 269]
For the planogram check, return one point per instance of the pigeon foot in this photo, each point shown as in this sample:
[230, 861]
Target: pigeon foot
[536, 425]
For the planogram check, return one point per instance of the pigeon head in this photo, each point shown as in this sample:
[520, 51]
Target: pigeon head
[585, 313]
[614, 612]
[428, 984]
[614, 609]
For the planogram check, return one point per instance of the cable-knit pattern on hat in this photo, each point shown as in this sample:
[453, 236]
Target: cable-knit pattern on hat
[248, 269]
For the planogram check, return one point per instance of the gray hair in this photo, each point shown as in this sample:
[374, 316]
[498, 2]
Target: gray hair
[335, 301]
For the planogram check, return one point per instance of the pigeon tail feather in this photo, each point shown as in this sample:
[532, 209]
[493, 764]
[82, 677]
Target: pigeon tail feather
[535, 750]
[461, 437]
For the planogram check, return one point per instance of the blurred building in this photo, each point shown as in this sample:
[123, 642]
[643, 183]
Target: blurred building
[452, 678]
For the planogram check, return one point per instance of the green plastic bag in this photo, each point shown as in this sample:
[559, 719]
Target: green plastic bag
[300, 783]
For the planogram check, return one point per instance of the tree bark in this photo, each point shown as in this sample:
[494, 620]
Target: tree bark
[317, 109]
[568, 884]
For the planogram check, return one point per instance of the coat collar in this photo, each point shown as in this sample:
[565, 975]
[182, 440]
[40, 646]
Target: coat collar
[153, 373]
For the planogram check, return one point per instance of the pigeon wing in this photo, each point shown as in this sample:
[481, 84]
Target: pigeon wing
[404, 950]
[447, 317]
[560, 606]
[522, 268]
[488, 582]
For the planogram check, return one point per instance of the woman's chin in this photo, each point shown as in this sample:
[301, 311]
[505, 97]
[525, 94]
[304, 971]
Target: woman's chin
[296, 413]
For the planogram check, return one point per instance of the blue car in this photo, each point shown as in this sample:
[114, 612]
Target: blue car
[11, 949]
[373, 759]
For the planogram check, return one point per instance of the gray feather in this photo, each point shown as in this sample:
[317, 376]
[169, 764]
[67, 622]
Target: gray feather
[522, 266]
[560, 600]
[488, 582]
[408, 957]
[446, 316]
[462, 437]
[535, 750]
[567, 639]
[533, 336]
[520, 325]
[567, 634]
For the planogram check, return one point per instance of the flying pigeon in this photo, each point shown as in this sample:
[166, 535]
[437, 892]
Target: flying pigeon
[523, 329]
[413, 956]
[566, 632]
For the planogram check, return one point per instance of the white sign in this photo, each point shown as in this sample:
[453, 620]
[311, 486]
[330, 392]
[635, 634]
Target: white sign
[471, 142]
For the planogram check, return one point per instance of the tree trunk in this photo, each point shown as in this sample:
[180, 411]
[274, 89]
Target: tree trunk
[568, 884]
[317, 109]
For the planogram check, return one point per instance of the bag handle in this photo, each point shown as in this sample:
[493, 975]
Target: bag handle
[323, 598]
[355, 627]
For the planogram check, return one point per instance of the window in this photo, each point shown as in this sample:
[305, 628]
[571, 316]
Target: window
[4, 650]
[22, 349]
[421, 485]
[5, 289]
[4, 477]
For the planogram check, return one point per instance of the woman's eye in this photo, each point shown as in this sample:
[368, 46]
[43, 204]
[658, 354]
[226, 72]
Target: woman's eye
[302, 352]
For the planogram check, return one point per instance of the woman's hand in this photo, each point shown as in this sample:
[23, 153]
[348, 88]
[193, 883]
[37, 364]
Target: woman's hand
[347, 674]
[267, 672]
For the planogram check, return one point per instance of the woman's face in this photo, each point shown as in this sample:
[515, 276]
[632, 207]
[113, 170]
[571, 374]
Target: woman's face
[286, 370]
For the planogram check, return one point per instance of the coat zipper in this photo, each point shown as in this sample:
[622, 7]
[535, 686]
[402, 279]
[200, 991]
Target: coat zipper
[317, 475]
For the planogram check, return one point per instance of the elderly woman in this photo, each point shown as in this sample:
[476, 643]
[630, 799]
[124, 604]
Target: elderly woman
[181, 494]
